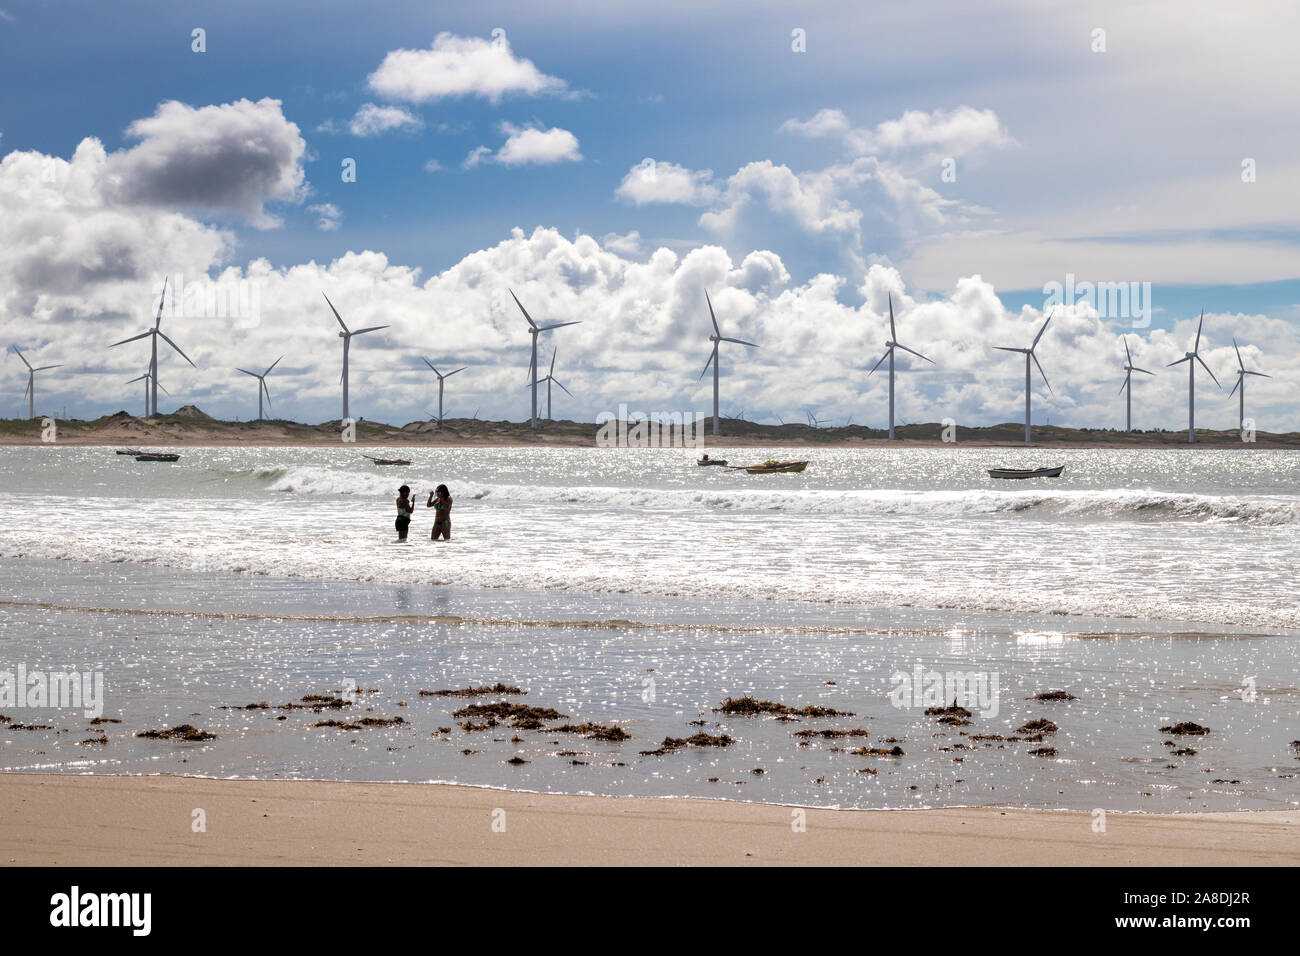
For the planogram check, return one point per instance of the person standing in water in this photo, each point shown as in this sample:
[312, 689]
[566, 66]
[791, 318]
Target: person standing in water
[442, 514]
[404, 510]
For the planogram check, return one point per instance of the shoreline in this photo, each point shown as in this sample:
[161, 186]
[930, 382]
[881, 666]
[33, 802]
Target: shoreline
[89, 820]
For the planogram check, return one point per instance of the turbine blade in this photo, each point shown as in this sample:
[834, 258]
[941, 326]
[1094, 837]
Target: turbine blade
[893, 336]
[273, 365]
[914, 352]
[247, 372]
[878, 361]
[373, 328]
[739, 342]
[712, 355]
[24, 357]
[164, 391]
[29, 386]
[1235, 387]
[1240, 363]
[1127, 376]
[562, 388]
[461, 369]
[1260, 374]
[1127, 354]
[157, 322]
[1199, 325]
[1207, 368]
[1185, 358]
[1142, 370]
[552, 372]
[44, 367]
[1041, 372]
[430, 364]
[716, 331]
[522, 309]
[1043, 329]
[137, 379]
[557, 325]
[131, 339]
[176, 347]
[336, 313]
[268, 394]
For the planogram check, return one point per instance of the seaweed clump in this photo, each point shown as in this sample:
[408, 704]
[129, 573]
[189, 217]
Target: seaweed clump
[749, 707]
[1185, 729]
[497, 688]
[674, 744]
[180, 732]
[894, 751]
[1039, 726]
[521, 716]
[1043, 752]
[612, 733]
[1054, 695]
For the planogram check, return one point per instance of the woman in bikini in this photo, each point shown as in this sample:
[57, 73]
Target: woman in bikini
[442, 516]
[404, 510]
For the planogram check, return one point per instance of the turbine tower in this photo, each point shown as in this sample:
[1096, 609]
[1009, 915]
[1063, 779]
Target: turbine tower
[717, 338]
[1191, 358]
[30, 392]
[346, 335]
[155, 333]
[1129, 369]
[261, 385]
[442, 378]
[550, 377]
[535, 330]
[1029, 355]
[1242, 372]
[889, 354]
[146, 378]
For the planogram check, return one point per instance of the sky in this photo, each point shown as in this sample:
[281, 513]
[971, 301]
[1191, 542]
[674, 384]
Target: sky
[979, 165]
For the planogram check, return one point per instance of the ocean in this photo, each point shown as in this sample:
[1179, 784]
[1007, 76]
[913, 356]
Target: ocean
[633, 588]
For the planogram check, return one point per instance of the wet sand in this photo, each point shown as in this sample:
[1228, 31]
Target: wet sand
[48, 819]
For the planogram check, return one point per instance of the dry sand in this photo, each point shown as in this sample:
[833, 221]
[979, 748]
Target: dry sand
[48, 819]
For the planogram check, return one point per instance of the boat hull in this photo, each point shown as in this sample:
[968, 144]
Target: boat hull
[1019, 473]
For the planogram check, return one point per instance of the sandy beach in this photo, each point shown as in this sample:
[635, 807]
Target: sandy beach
[110, 820]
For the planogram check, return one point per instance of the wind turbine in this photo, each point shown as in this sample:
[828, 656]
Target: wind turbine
[442, 378]
[154, 334]
[1242, 372]
[1029, 354]
[550, 377]
[717, 338]
[30, 392]
[1191, 358]
[813, 420]
[1129, 369]
[535, 330]
[889, 354]
[146, 378]
[261, 385]
[346, 335]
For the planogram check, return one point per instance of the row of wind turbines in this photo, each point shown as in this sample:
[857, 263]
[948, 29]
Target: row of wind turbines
[535, 331]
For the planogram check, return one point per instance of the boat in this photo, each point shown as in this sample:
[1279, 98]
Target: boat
[158, 456]
[388, 461]
[130, 451]
[1026, 472]
[706, 462]
[776, 467]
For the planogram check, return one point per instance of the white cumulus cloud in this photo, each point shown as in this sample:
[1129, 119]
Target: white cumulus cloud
[456, 66]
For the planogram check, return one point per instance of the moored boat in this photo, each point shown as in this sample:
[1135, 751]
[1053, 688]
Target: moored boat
[388, 461]
[1026, 472]
[158, 456]
[706, 461]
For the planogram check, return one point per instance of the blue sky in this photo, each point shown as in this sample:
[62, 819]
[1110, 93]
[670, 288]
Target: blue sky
[777, 170]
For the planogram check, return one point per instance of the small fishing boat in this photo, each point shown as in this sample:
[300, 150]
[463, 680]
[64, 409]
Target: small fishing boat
[158, 456]
[706, 462]
[388, 461]
[776, 467]
[130, 451]
[1026, 472]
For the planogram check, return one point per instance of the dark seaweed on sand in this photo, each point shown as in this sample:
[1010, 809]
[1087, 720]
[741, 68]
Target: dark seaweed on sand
[521, 716]
[1043, 752]
[1053, 695]
[894, 751]
[749, 706]
[831, 734]
[341, 724]
[181, 732]
[953, 711]
[317, 702]
[674, 744]
[497, 688]
[1186, 728]
[1039, 726]
[613, 733]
